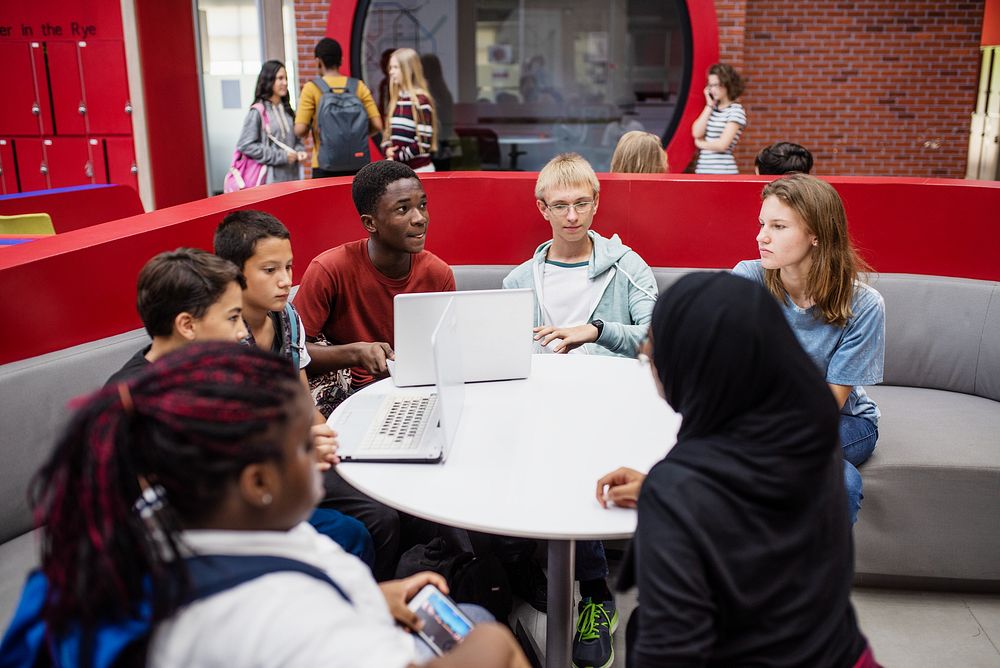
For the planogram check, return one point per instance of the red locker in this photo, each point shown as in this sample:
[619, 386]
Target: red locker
[74, 161]
[121, 162]
[105, 87]
[31, 167]
[67, 90]
[26, 100]
[8, 170]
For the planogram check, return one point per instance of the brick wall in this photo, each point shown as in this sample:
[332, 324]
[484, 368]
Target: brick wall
[875, 87]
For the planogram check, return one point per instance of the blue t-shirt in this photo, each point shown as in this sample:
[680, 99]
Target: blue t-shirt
[850, 355]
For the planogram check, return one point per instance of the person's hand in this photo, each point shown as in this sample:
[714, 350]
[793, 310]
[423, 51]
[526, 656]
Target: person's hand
[398, 593]
[293, 157]
[325, 444]
[623, 487]
[709, 100]
[700, 143]
[390, 153]
[302, 155]
[372, 356]
[572, 337]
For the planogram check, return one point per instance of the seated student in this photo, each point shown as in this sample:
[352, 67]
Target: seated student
[260, 245]
[742, 554]
[595, 291]
[182, 296]
[639, 152]
[808, 264]
[588, 289]
[346, 298]
[783, 158]
[190, 483]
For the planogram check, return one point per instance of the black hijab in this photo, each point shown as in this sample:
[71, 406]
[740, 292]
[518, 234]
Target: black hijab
[742, 552]
[756, 412]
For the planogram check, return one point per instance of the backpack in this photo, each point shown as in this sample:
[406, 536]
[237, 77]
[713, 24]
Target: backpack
[477, 578]
[245, 172]
[290, 330]
[343, 128]
[26, 642]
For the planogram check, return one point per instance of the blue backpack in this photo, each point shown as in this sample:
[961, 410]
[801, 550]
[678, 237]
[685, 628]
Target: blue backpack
[26, 642]
[343, 128]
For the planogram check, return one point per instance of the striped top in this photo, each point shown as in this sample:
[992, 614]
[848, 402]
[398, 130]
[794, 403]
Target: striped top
[721, 162]
[412, 141]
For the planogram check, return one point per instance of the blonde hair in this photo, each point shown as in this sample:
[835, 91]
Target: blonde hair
[835, 263]
[639, 152]
[566, 170]
[411, 72]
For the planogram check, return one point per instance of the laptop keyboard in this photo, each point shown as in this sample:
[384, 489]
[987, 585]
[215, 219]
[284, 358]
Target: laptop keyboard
[401, 423]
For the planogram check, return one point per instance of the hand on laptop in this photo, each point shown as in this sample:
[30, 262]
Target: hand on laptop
[572, 337]
[622, 487]
[325, 444]
[372, 356]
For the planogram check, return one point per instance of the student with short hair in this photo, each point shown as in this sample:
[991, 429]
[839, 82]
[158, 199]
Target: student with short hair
[639, 152]
[329, 56]
[595, 295]
[807, 262]
[345, 300]
[783, 157]
[717, 129]
[260, 245]
[182, 296]
[191, 482]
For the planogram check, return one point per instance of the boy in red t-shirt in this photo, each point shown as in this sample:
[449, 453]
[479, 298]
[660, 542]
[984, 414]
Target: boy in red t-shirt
[346, 296]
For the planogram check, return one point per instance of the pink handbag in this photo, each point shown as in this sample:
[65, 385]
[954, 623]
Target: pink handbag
[245, 172]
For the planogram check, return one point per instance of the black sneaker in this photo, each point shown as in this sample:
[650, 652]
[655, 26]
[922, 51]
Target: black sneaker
[592, 645]
[528, 582]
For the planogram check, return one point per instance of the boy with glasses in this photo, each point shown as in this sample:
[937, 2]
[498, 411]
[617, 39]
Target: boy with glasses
[593, 295]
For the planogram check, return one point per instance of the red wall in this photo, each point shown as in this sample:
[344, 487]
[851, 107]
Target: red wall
[80, 286]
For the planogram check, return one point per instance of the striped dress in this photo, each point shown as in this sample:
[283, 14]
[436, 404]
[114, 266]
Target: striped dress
[721, 162]
[412, 142]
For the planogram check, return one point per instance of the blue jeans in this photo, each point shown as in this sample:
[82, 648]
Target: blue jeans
[857, 438]
[476, 615]
[346, 532]
[591, 562]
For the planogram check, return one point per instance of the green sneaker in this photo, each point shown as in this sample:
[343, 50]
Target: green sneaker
[592, 644]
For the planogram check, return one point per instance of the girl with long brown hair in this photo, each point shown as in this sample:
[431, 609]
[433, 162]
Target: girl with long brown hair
[807, 262]
[411, 131]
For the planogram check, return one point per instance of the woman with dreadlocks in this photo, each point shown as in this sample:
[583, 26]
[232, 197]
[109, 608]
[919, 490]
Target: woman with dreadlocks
[174, 511]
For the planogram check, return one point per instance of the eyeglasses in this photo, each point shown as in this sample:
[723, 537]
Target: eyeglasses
[562, 210]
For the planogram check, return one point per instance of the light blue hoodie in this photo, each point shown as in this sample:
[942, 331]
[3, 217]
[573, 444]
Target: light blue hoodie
[625, 301]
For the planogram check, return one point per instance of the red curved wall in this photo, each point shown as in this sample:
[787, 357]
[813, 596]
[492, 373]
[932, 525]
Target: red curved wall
[80, 286]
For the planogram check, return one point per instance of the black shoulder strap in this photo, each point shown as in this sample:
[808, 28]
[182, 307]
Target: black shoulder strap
[214, 574]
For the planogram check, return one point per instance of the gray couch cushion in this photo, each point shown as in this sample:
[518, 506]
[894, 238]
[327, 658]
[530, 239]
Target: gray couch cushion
[17, 558]
[932, 488]
[933, 330]
[33, 398]
[988, 369]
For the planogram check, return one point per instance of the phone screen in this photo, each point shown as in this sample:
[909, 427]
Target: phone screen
[444, 624]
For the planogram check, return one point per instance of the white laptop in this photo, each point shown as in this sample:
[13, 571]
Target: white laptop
[408, 426]
[494, 327]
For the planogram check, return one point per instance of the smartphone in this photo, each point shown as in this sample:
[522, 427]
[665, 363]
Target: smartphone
[444, 624]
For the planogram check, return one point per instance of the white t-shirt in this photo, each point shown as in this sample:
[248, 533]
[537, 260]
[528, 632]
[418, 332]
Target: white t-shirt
[569, 295]
[284, 619]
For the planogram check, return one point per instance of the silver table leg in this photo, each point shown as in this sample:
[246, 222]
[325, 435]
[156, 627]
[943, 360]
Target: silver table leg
[559, 620]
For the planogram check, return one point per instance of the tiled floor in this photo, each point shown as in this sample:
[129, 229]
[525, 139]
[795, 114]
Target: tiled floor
[906, 629]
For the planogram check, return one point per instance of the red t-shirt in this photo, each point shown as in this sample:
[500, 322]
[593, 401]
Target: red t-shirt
[346, 298]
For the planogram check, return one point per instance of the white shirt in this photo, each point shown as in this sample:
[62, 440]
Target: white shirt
[284, 619]
[569, 296]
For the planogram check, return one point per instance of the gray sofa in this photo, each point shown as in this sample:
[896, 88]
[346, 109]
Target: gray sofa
[932, 488]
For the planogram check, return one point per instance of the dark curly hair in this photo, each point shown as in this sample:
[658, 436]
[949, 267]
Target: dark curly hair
[729, 78]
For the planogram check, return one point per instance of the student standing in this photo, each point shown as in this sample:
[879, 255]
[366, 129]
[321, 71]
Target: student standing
[268, 134]
[808, 264]
[717, 130]
[197, 476]
[411, 135]
[742, 553]
[329, 56]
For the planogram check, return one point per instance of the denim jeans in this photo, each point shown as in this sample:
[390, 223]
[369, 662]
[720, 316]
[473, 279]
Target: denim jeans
[591, 562]
[857, 438]
[476, 615]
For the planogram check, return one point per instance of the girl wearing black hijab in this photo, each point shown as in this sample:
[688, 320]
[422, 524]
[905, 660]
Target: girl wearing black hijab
[743, 552]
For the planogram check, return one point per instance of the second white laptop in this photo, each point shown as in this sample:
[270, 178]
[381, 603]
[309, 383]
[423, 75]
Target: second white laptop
[494, 327]
[408, 426]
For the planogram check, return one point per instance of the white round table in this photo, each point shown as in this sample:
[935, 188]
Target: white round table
[526, 460]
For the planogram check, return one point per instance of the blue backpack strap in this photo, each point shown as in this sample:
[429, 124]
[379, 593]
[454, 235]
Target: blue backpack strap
[293, 334]
[214, 574]
[323, 86]
[352, 86]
